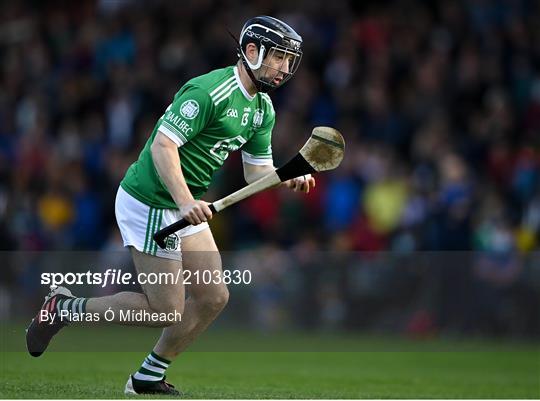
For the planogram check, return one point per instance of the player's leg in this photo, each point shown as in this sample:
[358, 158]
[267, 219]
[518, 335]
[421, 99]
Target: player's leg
[164, 298]
[199, 252]
[205, 301]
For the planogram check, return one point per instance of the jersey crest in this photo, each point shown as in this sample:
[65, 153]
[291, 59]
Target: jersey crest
[258, 118]
[189, 109]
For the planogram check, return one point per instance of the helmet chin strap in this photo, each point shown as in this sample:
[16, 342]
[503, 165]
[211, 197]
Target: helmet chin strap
[260, 85]
[258, 64]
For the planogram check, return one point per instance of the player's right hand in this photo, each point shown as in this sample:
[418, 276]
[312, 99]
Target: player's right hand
[196, 211]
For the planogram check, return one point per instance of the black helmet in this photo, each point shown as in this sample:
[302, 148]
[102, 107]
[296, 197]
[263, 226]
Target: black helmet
[271, 36]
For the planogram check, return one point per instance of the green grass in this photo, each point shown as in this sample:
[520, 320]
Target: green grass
[434, 369]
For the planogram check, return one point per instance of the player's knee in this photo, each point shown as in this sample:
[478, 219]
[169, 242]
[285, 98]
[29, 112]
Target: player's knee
[216, 301]
[168, 309]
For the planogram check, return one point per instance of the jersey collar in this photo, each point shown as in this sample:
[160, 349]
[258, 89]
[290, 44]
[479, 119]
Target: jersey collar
[241, 86]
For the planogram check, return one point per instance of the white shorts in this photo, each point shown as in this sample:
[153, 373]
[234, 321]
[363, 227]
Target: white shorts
[138, 222]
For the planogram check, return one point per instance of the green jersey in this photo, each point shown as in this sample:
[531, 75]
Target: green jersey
[210, 116]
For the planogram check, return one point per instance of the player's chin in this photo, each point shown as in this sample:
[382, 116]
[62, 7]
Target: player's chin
[275, 81]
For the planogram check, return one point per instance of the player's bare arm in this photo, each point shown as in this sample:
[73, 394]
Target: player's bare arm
[253, 172]
[167, 162]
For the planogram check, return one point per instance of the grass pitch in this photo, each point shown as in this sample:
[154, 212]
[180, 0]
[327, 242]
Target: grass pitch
[373, 368]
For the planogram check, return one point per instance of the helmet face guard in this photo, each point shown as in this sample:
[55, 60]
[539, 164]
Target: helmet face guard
[279, 48]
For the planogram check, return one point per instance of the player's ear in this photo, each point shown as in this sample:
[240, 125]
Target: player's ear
[252, 52]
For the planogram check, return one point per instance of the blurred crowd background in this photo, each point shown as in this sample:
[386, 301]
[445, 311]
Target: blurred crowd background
[439, 103]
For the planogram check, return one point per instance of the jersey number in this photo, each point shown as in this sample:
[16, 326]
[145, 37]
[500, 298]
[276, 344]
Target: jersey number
[222, 148]
[245, 118]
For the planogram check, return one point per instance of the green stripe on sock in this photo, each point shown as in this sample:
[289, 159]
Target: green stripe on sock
[160, 358]
[67, 305]
[154, 363]
[145, 371]
[75, 305]
[59, 305]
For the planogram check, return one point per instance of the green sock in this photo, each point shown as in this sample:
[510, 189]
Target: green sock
[73, 306]
[153, 368]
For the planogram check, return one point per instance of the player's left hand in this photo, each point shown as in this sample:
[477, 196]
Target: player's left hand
[303, 183]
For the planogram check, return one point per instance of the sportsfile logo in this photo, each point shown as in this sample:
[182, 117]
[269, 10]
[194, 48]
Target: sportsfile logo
[119, 277]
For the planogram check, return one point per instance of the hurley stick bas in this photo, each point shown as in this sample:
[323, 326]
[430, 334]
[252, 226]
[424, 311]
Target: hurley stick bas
[323, 151]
